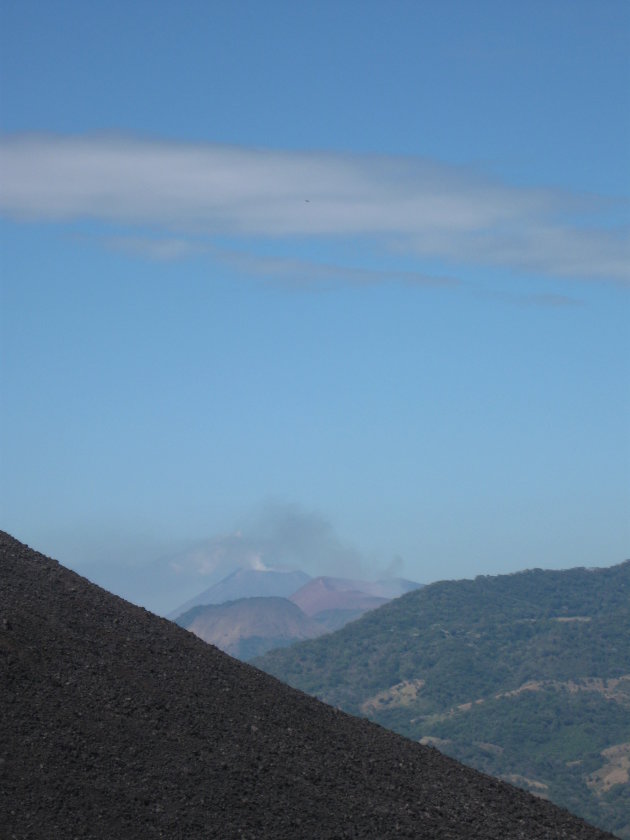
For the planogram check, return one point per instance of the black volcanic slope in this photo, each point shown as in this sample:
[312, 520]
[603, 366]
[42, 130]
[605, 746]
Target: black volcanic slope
[117, 724]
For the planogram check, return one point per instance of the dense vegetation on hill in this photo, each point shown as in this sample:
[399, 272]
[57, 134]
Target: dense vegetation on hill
[524, 676]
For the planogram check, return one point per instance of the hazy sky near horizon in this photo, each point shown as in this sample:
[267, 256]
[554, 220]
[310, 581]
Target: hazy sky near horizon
[348, 281]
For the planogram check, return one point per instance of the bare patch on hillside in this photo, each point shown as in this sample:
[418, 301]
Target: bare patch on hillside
[615, 770]
[431, 741]
[486, 746]
[466, 707]
[531, 685]
[617, 689]
[539, 789]
[532, 785]
[613, 689]
[401, 694]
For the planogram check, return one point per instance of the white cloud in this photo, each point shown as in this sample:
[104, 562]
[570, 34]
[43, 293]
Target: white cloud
[161, 249]
[304, 273]
[204, 191]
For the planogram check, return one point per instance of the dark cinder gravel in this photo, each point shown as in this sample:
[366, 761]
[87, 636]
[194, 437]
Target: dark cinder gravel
[117, 724]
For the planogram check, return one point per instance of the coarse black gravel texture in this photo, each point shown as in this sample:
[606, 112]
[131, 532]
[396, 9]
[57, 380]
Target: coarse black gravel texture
[117, 724]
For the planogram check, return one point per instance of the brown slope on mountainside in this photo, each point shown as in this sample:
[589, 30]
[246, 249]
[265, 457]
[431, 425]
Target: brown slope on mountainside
[115, 723]
[250, 626]
[325, 593]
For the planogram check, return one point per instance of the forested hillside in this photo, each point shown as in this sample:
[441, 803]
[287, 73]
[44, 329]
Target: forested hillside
[525, 676]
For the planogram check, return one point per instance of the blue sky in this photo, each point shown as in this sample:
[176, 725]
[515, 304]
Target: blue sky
[347, 281]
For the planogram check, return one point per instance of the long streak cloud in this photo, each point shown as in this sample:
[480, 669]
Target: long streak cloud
[202, 191]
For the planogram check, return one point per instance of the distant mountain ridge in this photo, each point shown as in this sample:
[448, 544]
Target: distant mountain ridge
[247, 613]
[247, 583]
[250, 627]
[525, 676]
